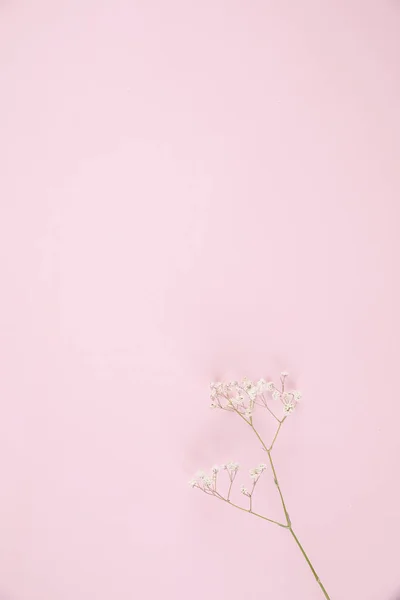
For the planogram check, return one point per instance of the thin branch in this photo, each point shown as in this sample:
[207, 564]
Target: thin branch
[247, 510]
[276, 434]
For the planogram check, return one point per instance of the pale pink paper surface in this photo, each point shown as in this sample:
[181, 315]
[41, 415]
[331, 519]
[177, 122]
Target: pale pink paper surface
[193, 190]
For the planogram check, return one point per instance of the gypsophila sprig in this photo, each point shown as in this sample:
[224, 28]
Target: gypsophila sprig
[244, 399]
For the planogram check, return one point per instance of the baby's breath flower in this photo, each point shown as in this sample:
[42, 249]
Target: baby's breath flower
[261, 386]
[242, 398]
[232, 467]
[246, 384]
[256, 472]
[289, 404]
[248, 413]
[237, 400]
[252, 392]
[215, 385]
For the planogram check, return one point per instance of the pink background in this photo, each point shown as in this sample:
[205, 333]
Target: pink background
[193, 190]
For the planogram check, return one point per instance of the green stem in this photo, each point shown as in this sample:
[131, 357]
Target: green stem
[309, 563]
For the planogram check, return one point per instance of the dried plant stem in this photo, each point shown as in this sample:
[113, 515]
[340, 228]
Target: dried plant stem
[288, 521]
[249, 511]
[309, 563]
[222, 398]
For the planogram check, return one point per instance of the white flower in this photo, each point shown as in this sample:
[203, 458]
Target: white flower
[261, 386]
[289, 403]
[215, 469]
[284, 374]
[270, 386]
[200, 475]
[247, 384]
[193, 483]
[232, 467]
[213, 405]
[276, 395]
[237, 400]
[207, 482]
[250, 388]
[248, 413]
[256, 472]
[297, 395]
[244, 491]
[252, 392]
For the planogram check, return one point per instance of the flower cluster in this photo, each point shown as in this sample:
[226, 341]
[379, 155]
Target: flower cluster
[257, 471]
[208, 482]
[255, 476]
[242, 397]
[237, 396]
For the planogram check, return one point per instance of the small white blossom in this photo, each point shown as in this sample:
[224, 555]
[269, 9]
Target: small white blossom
[244, 491]
[237, 400]
[252, 392]
[213, 405]
[247, 384]
[270, 386]
[276, 395]
[215, 469]
[289, 404]
[248, 413]
[232, 467]
[200, 475]
[256, 472]
[207, 482]
[297, 395]
[261, 386]
[193, 483]
[284, 374]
